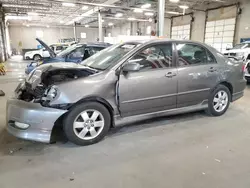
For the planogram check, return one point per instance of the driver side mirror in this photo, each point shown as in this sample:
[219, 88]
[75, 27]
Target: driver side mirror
[131, 67]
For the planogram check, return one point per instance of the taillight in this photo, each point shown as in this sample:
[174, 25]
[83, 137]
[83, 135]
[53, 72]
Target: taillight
[244, 68]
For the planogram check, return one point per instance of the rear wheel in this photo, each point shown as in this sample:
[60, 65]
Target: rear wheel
[219, 101]
[37, 57]
[87, 123]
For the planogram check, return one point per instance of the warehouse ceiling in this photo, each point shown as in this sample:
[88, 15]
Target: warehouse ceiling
[67, 12]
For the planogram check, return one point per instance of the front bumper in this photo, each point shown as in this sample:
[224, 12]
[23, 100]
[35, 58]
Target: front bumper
[41, 120]
[247, 77]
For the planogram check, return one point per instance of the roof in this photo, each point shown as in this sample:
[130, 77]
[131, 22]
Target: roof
[101, 44]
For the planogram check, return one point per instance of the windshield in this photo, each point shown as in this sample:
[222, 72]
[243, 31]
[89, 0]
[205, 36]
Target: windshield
[68, 50]
[109, 56]
[240, 46]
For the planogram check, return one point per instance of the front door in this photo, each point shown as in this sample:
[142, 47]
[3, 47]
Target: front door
[154, 87]
[197, 74]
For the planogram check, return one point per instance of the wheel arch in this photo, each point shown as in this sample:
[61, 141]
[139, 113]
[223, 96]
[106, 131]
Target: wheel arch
[35, 55]
[100, 100]
[228, 85]
[248, 57]
[57, 128]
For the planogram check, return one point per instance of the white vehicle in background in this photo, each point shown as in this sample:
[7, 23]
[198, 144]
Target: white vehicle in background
[36, 54]
[43, 53]
[247, 71]
[240, 51]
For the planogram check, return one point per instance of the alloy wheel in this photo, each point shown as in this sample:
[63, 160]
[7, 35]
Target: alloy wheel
[88, 124]
[220, 101]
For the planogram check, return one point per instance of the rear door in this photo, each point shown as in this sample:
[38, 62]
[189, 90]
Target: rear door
[154, 87]
[198, 72]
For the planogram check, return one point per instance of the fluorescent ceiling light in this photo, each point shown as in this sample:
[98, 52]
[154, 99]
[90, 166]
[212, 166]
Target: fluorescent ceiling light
[172, 12]
[148, 13]
[32, 13]
[174, 1]
[184, 6]
[17, 18]
[131, 19]
[86, 25]
[136, 10]
[85, 7]
[148, 5]
[118, 15]
[110, 24]
[68, 4]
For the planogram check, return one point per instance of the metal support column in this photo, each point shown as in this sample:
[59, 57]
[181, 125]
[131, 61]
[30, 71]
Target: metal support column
[100, 27]
[161, 17]
[75, 35]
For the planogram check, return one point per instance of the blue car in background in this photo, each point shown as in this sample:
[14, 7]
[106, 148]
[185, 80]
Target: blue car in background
[75, 53]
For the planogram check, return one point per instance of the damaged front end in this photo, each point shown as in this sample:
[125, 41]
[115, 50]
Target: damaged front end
[41, 85]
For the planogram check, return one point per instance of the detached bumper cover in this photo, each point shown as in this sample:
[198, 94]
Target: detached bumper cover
[40, 119]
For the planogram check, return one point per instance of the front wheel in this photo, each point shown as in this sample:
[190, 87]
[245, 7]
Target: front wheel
[37, 57]
[219, 101]
[87, 123]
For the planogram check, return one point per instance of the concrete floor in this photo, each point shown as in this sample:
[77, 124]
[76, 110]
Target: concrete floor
[184, 151]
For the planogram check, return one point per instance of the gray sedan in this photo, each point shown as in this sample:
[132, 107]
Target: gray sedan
[133, 79]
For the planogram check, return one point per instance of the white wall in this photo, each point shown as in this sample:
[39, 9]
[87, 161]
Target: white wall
[27, 35]
[181, 20]
[243, 23]
[167, 27]
[198, 26]
[119, 29]
[51, 35]
[122, 28]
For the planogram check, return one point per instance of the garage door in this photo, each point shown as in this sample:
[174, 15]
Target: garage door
[220, 33]
[181, 32]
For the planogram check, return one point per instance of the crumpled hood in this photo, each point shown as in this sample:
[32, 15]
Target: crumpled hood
[54, 70]
[59, 65]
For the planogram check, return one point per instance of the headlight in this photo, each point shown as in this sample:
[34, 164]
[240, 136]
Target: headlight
[240, 54]
[50, 93]
[34, 64]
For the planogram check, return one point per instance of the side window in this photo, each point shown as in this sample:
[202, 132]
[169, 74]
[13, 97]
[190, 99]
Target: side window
[154, 57]
[191, 54]
[59, 48]
[77, 53]
[210, 58]
[87, 53]
[95, 50]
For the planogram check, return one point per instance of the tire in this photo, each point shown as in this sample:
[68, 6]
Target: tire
[77, 124]
[212, 104]
[37, 57]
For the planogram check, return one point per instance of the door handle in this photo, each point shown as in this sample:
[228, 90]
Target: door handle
[212, 69]
[170, 74]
